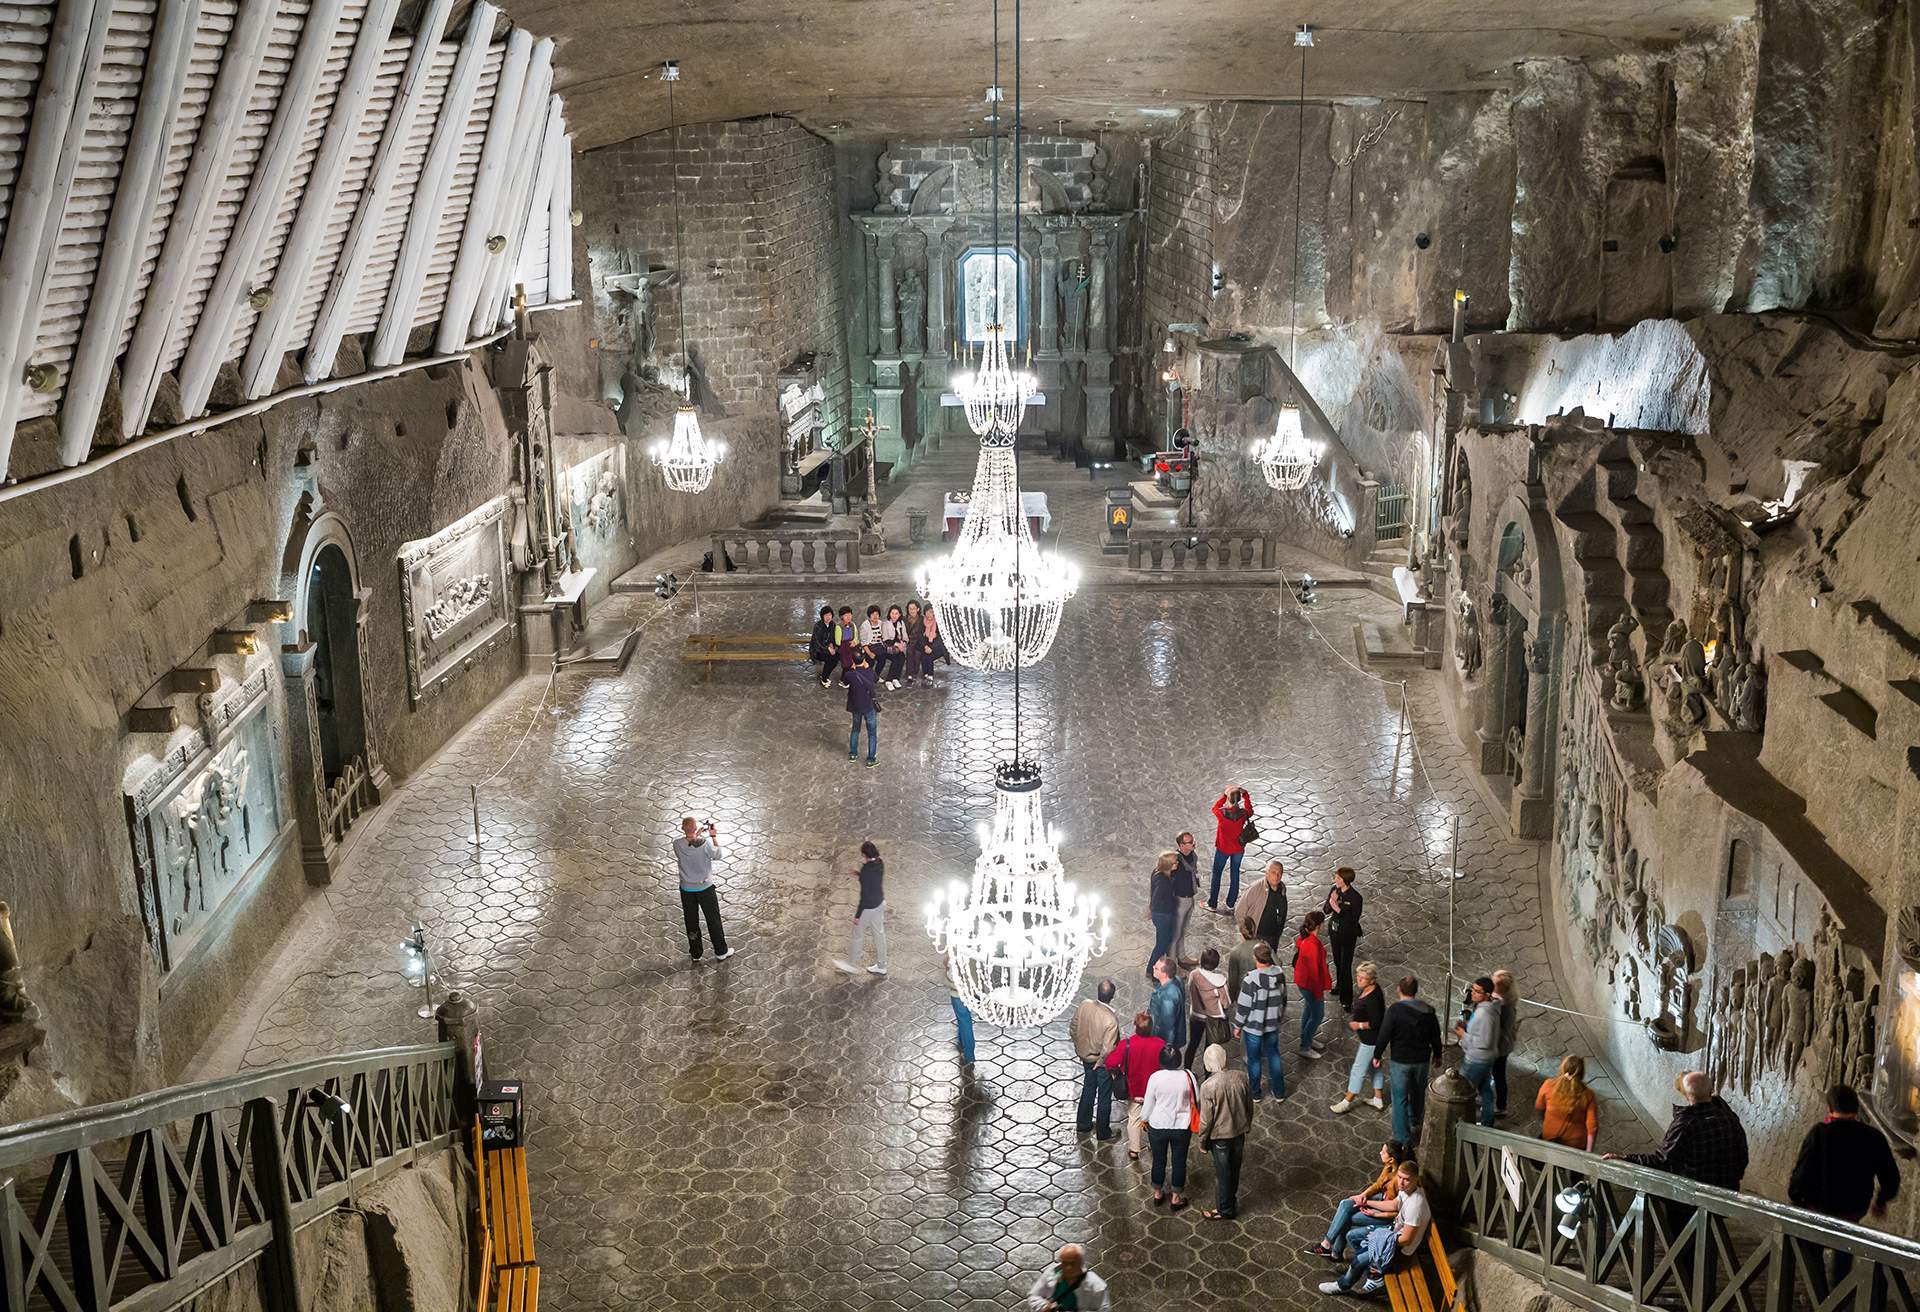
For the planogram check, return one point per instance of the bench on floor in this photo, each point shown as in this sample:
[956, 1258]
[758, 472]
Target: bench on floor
[707, 648]
[1424, 1284]
[509, 1275]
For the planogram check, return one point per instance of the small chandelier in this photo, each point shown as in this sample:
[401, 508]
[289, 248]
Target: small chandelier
[1287, 458]
[996, 393]
[1018, 938]
[689, 458]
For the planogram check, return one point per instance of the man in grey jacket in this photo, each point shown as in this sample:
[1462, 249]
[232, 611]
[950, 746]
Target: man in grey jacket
[1226, 1114]
[1257, 1017]
[695, 851]
[1095, 1030]
[1479, 1036]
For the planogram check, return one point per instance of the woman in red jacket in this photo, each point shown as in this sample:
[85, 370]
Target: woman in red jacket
[1313, 979]
[1230, 815]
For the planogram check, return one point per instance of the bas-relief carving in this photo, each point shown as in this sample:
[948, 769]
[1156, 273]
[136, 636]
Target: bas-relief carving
[453, 593]
[203, 818]
[597, 496]
[1073, 281]
[1799, 1014]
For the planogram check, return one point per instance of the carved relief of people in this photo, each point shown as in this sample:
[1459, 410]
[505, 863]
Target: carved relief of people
[1072, 280]
[1747, 693]
[1594, 827]
[1628, 685]
[1687, 691]
[1717, 1030]
[1633, 987]
[1799, 1027]
[1466, 636]
[1774, 1023]
[1672, 645]
[911, 295]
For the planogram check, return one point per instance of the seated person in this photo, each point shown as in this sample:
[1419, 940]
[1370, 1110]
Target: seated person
[846, 637]
[1376, 1205]
[1382, 1250]
[822, 648]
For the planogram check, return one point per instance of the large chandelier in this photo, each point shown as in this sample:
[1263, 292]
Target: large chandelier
[1287, 458]
[1018, 938]
[688, 458]
[995, 394]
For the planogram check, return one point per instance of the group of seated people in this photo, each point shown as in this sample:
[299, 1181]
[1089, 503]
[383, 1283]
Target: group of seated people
[901, 645]
[1384, 1223]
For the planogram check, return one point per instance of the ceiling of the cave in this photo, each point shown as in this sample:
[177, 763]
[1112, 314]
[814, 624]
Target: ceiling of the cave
[882, 68]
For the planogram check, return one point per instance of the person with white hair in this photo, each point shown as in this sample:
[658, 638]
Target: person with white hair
[1226, 1114]
[1069, 1285]
[1705, 1141]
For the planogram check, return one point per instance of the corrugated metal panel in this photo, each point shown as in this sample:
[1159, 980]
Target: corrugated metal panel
[318, 112]
[109, 121]
[453, 218]
[371, 297]
[23, 48]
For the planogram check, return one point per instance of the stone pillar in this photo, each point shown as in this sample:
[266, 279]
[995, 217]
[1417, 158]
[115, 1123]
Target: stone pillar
[378, 781]
[1532, 803]
[889, 445]
[1492, 728]
[889, 312]
[1047, 339]
[1099, 330]
[309, 775]
[1451, 1103]
[458, 1022]
[933, 374]
[1098, 439]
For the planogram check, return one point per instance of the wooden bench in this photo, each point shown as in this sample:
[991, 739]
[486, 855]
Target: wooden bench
[1424, 1283]
[509, 1275]
[706, 648]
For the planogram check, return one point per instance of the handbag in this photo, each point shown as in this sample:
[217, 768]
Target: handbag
[1193, 1120]
[1249, 833]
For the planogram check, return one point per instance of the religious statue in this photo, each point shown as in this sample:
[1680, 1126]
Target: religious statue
[1773, 1026]
[1633, 988]
[1799, 1029]
[604, 508]
[1624, 665]
[16, 1007]
[1073, 281]
[1674, 965]
[912, 297]
[1747, 695]
[1686, 691]
[1466, 636]
[1717, 1031]
[1593, 830]
[1672, 645]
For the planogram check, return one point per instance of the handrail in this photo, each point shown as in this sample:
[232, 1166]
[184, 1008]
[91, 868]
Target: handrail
[1652, 1238]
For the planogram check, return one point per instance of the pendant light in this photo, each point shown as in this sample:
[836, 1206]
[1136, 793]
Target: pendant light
[688, 458]
[1287, 458]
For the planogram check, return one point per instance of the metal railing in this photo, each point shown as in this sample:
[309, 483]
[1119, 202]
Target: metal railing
[1390, 513]
[135, 1206]
[1648, 1238]
[788, 550]
[1199, 550]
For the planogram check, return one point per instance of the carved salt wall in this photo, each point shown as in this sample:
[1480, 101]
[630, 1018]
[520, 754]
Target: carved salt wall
[455, 598]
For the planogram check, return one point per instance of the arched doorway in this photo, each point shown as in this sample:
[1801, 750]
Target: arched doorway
[329, 625]
[1520, 706]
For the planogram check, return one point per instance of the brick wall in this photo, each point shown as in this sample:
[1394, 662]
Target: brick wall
[1179, 242]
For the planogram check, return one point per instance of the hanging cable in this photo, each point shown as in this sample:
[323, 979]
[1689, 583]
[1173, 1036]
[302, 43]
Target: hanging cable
[679, 253]
[1303, 39]
[1019, 319]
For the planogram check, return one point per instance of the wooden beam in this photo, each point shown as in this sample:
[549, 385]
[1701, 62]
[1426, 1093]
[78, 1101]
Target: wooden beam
[551, 143]
[531, 121]
[261, 364]
[192, 214]
[560, 226]
[470, 263]
[61, 107]
[213, 332]
[430, 190]
[142, 170]
[415, 81]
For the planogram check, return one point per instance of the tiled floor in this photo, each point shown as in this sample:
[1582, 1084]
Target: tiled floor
[768, 1133]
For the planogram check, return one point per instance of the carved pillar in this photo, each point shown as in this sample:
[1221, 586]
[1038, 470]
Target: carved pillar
[309, 776]
[1531, 811]
[889, 312]
[1045, 290]
[1098, 439]
[1492, 728]
[377, 778]
[933, 374]
[1099, 330]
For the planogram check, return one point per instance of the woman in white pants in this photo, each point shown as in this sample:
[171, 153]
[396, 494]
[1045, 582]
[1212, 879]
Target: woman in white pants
[870, 916]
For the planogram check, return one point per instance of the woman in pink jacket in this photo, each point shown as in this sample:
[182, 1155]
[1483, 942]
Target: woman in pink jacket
[1312, 977]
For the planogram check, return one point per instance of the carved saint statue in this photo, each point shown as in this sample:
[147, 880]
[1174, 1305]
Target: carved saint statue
[1799, 1028]
[1625, 666]
[15, 1006]
[1747, 695]
[912, 297]
[1466, 636]
[1073, 280]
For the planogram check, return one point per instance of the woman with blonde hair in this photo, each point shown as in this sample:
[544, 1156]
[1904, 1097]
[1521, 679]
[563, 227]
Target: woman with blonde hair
[1509, 994]
[1569, 1111]
[1368, 1010]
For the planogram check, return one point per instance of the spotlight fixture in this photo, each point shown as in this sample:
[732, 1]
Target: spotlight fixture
[260, 298]
[1303, 34]
[41, 378]
[416, 964]
[1573, 1203]
[330, 1104]
[496, 244]
[665, 586]
[1307, 590]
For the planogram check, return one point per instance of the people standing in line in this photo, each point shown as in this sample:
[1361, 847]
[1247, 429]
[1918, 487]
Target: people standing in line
[1313, 979]
[1266, 905]
[695, 851]
[1094, 1031]
[1206, 1005]
[915, 625]
[1134, 1060]
[1841, 1162]
[1705, 1141]
[1364, 1018]
[1168, 1005]
[1479, 1032]
[870, 916]
[1366, 1274]
[1168, 1111]
[1163, 907]
[1240, 960]
[860, 704]
[1408, 1044]
[1569, 1111]
[1259, 1012]
[1343, 931]
[1230, 813]
[1507, 992]
[823, 645]
[1186, 883]
[1226, 1114]
[1068, 1285]
[962, 1016]
[893, 647]
[1371, 1207]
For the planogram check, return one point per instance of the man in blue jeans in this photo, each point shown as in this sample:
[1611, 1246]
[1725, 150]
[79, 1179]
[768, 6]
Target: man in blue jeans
[860, 703]
[1094, 1031]
[1409, 1041]
[1479, 1036]
[1257, 1018]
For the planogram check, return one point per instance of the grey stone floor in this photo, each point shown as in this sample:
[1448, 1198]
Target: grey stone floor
[767, 1133]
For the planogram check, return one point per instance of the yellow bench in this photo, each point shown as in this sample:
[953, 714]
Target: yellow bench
[706, 648]
[1425, 1283]
[509, 1275]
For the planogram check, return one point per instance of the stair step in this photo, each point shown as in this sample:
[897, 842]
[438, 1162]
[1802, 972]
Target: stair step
[1384, 644]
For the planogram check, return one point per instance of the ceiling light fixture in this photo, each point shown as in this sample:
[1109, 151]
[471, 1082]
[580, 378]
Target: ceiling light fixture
[687, 459]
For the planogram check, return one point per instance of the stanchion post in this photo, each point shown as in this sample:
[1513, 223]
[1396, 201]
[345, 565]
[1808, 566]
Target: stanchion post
[479, 839]
[1453, 877]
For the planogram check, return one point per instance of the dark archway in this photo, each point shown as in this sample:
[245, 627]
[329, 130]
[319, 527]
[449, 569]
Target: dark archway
[331, 626]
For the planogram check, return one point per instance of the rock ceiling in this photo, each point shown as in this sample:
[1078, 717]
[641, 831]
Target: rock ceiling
[877, 68]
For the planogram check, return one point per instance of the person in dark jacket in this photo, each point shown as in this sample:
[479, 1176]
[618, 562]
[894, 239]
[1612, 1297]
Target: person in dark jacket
[1267, 904]
[1408, 1043]
[1343, 931]
[1841, 1161]
[1163, 908]
[1186, 883]
[822, 648]
[1168, 1004]
[846, 641]
[1369, 1010]
[861, 705]
[1705, 1141]
[870, 916]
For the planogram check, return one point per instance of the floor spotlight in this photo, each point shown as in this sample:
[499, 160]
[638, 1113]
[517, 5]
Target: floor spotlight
[1573, 1203]
[665, 586]
[1307, 593]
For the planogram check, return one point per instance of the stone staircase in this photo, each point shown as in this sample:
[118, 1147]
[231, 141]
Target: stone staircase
[1620, 551]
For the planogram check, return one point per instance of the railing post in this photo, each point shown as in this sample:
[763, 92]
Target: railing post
[459, 1023]
[90, 1283]
[1451, 1101]
[279, 1273]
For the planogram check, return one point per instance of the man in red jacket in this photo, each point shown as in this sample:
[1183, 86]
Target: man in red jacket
[1133, 1061]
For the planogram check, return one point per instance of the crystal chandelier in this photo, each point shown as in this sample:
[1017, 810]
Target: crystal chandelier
[1018, 938]
[688, 458]
[1287, 458]
[996, 393]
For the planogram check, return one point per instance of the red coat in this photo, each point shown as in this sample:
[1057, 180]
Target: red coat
[1310, 973]
[1226, 831]
[1139, 1056]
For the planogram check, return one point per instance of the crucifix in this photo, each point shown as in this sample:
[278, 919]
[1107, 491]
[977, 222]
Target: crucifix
[872, 542]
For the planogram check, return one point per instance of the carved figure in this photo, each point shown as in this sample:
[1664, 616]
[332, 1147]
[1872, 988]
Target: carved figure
[1466, 636]
[1687, 691]
[1799, 1031]
[1072, 281]
[1672, 644]
[1628, 685]
[1747, 694]
[604, 509]
[1594, 830]
[911, 295]
[15, 1006]
[1633, 988]
[1774, 1023]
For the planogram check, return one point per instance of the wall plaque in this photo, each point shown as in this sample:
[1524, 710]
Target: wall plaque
[453, 596]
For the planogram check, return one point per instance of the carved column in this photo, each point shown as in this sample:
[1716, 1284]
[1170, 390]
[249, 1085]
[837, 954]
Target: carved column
[1045, 289]
[933, 372]
[1099, 329]
[889, 312]
[1492, 728]
[1531, 813]
[309, 776]
[377, 778]
[1098, 439]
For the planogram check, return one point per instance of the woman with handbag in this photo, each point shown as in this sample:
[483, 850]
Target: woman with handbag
[1172, 1112]
[918, 660]
[1233, 830]
[1206, 1006]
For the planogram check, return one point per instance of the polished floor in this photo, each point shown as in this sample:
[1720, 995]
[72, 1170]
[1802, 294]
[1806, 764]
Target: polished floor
[768, 1133]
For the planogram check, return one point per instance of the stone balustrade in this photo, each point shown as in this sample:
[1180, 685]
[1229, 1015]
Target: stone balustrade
[1200, 550]
[788, 550]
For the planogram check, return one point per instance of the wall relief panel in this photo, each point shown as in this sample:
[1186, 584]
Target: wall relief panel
[453, 592]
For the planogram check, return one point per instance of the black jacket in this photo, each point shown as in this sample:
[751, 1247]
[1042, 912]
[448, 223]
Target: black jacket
[872, 885]
[1840, 1160]
[1370, 1010]
[820, 645]
[1410, 1033]
[860, 690]
[1343, 916]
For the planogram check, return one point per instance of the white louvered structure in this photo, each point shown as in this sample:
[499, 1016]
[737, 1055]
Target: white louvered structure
[191, 191]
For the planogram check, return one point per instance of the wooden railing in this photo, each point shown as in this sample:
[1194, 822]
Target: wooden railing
[1651, 1239]
[138, 1205]
[1199, 550]
[788, 550]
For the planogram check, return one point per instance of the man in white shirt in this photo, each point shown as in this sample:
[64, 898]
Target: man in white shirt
[1367, 1273]
[695, 851]
[1068, 1284]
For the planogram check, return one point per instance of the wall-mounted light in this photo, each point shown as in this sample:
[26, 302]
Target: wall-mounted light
[1218, 281]
[260, 298]
[416, 964]
[576, 217]
[41, 378]
[496, 243]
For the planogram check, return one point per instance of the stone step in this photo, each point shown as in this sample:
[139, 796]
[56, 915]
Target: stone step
[1618, 478]
[1384, 644]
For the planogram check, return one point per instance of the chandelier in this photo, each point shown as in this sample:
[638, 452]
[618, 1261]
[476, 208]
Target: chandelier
[1287, 458]
[688, 458]
[995, 394]
[1018, 938]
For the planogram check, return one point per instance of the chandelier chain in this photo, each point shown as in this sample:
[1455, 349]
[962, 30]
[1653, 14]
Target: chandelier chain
[1019, 319]
[679, 252]
[1299, 169]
